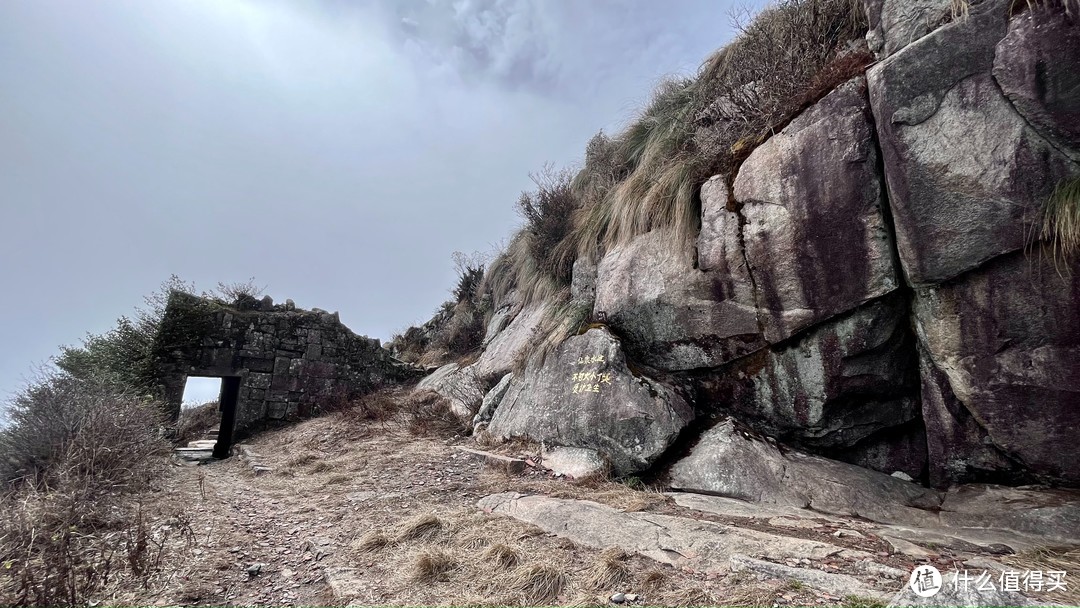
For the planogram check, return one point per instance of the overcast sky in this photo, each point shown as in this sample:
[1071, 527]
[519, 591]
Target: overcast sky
[339, 152]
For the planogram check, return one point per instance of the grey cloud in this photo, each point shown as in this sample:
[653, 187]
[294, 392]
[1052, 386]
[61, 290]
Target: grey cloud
[337, 151]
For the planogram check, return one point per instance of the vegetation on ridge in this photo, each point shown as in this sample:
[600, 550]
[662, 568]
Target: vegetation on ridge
[649, 175]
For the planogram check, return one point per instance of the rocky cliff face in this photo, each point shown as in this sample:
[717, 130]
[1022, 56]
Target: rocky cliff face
[865, 287]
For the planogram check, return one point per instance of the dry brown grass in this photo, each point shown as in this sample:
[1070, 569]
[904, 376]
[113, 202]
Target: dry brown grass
[653, 579]
[430, 566]
[424, 527]
[428, 413]
[504, 557]
[195, 422]
[1058, 225]
[338, 479]
[371, 541]
[301, 460]
[1049, 559]
[538, 582]
[609, 571]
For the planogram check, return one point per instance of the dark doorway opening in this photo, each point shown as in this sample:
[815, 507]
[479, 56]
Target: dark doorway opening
[206, 422]
[230, 395]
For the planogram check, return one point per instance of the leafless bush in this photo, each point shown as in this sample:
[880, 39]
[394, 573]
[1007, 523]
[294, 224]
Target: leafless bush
[756, 83]
[64, 423]
[61, 546]
[548, 213]
[380, 407]
[463, 334]
[239, 291]
[75, 453]
[428, 413]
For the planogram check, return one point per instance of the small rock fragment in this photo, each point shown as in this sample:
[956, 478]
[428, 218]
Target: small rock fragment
[618, 598]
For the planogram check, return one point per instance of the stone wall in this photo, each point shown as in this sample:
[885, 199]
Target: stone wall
[290, 361]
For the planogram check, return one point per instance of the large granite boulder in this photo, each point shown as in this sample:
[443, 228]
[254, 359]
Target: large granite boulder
[672, 315]
[965, 170]
[895, 24]
[958, 448]
[509, 347]
[813, 230]
[730, 460]
[460, 386]
[502, 316]
[1035, 65]
[584, 395]
[802, 239]
[836, 385]
[583, 281]
[1006, 339]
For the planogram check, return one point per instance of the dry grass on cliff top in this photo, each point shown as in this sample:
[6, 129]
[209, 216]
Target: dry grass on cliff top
[647, 176]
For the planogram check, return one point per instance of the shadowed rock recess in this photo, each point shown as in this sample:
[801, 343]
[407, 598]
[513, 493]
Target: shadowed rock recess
[864, 293]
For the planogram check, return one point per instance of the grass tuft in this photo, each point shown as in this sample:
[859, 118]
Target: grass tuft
[1058, 224]
[1050, 559]
[540, 583]
[609, 571]
[420, 528]
[429, 566]
[429, 413]
[371, 541]
[503, 556]
[654, 579]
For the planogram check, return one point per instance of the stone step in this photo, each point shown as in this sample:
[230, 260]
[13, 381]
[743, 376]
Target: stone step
[202, 444]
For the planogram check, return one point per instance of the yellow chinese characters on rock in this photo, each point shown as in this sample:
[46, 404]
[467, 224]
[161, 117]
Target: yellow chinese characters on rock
[590, 360]
[590, 382]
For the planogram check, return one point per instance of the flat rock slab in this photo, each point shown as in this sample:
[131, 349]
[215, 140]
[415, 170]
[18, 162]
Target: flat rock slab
[733, 507]
[975, 518]
[678, 541]
[578, 463]
[345, 583]
[193, 456]
[514, 466]
[836, 584]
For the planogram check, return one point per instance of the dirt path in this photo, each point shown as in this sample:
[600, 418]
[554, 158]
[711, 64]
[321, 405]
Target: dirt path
[391, 518]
